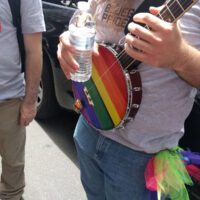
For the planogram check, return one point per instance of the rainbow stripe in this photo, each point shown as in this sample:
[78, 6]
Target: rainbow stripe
[108, 91]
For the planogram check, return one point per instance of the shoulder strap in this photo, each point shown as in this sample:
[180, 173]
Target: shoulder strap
[15, 6]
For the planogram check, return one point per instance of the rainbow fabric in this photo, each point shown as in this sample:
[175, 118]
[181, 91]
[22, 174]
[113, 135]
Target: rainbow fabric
[166, 173]
[108, 91]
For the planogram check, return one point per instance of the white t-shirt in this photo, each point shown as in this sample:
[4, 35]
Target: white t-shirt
[12, 83]
[167, 99]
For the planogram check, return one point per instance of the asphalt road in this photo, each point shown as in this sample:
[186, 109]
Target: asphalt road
[52, 171]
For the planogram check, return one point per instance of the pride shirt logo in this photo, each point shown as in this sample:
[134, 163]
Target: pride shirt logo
[118, 16]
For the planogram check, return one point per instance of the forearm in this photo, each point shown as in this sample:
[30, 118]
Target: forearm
[189, 69]
[33, 74]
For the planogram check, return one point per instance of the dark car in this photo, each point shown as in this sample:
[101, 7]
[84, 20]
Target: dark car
[55, 90]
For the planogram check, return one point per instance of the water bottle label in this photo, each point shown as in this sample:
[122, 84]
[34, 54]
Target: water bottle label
[82, 43]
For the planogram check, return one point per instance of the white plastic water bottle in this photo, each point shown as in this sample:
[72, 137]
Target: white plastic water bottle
[82, 34]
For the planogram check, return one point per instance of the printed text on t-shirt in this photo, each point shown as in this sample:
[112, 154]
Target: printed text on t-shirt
[118, 17]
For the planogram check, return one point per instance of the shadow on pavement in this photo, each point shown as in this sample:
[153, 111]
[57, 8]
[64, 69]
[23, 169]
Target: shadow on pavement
[60, 129]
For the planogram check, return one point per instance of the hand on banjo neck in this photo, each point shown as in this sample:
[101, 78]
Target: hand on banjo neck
[161, 45]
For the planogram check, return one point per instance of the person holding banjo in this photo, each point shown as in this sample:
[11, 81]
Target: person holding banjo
[150, 101]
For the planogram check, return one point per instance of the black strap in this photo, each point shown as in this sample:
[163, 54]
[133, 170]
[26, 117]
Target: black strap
[15, 6]
[144, 7]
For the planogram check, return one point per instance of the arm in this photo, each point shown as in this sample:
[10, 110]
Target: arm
[164, 47]
[190, 69]
[33, 48]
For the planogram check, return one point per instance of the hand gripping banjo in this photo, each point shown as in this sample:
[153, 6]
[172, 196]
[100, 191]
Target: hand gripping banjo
[112, 96]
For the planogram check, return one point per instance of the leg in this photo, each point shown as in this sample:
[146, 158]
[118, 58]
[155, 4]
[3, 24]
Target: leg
[124, 177]
[109, 170]
[92, 177]
[12, 149]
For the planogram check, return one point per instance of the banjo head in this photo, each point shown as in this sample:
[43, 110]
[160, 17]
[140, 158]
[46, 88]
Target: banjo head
[104, 99]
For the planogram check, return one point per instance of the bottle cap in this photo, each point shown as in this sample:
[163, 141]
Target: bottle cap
[83, 5]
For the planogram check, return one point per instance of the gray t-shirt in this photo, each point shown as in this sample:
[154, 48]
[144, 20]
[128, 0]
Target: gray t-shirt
[167, 99]
[12, 83]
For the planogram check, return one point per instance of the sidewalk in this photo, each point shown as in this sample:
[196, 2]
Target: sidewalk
[50, 173]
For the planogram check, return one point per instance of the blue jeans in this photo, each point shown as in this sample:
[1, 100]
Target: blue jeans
[109, 170]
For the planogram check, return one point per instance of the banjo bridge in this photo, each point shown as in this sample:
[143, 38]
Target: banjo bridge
[88, 97]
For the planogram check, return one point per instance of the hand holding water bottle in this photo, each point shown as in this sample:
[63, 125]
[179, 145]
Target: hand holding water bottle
[76, 45]
[65, 54]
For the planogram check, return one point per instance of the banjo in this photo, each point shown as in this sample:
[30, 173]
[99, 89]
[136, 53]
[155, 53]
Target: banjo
[112, 96]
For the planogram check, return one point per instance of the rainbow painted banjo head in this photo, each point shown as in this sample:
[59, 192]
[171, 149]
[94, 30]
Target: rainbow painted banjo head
[106, 99]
